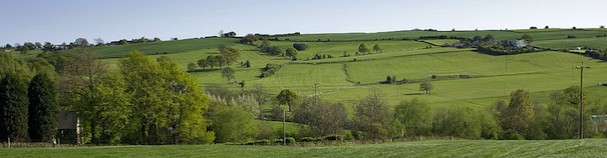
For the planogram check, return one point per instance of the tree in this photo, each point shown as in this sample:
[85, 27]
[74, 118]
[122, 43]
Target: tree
[533, 28]
[517, 115]
[228, 73]
[415, 115]
[286, 97]
[182, 115]
[211, 61]
[459, 122]
[527, 38]
[258, 92]
[231, 123]
[292, 53]
[8, 46]
[362, 48]
[99, 41]
[602, 27]
[43, 109]
[275, 50]
[229, 54]
[111, 109]
[156, 39]
[324, 118]
[388, 79]
[249, 39]
[300, 46]
[192, 67]
[24, 51]
[81, 42]
[546, 27]
[247, 63]
[371, 115]
[145, 81]
[377, 48]
[426, 87]
[203, 63]
[220, 60]
[13, 108]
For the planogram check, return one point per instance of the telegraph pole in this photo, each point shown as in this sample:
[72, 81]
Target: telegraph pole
[581, 123]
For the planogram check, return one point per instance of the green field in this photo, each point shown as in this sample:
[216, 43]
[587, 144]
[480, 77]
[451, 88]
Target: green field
[434, 148]
[345, 79]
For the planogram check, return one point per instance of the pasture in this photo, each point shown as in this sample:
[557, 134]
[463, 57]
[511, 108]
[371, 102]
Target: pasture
[344, 79]
[432, 148]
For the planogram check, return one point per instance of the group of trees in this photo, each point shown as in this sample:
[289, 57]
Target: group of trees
[28, 113]
[523, 118]
[363, 49]
[146, 102]
[228, 56]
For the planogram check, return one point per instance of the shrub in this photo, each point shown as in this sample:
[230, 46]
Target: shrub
[300, 46]
[290, 140]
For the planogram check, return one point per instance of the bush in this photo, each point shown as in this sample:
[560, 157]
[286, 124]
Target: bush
[290, 140]
[300, 46]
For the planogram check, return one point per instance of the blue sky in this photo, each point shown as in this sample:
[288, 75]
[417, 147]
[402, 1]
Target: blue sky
[66, 20]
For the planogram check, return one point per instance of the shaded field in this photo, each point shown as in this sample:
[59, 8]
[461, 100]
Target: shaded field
[434, 148]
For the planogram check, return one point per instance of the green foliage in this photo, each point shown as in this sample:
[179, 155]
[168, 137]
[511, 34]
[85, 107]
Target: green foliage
[192, 67]
[426, 87]
[110, 109]
[292, 53]
[416, 117]
[324, 118]
[377, 48]
[460, 122]
[516, 117]
[227, 73]
[13, 108]
[43, 109]
[363, 49]
[231, 123]
[371, 115]
[287, 97]
[229, 54]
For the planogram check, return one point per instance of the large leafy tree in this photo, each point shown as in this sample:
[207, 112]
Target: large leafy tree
[43, 109]
[229, 54]
[81, 73]
[111, 108]
[286, 97]
[13, 108]
[150, 96]
[516, 117]
[187, 103]
[377, 48]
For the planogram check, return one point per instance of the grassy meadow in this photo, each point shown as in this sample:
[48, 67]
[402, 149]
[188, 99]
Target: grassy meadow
[345, 79]
[432, 148]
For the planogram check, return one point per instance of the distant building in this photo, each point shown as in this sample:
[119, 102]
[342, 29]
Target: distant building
[68, 126]
[515, 43]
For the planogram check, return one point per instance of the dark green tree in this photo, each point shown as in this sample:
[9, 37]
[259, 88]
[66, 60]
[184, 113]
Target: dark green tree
[377, 48]
[362, 48]
[43, 109]
[14, 103]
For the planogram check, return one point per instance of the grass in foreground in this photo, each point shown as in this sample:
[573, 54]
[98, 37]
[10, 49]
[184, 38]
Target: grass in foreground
[442, 148]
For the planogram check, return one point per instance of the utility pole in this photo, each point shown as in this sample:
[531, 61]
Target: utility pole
[581, 119]
[284, 133]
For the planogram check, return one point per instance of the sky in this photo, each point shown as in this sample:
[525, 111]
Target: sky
[111, 20]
